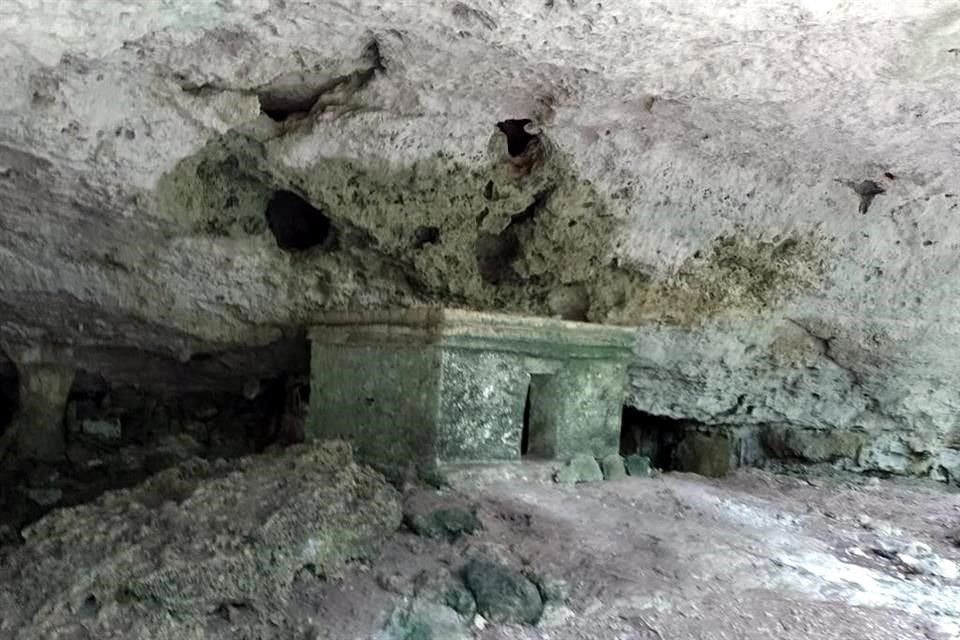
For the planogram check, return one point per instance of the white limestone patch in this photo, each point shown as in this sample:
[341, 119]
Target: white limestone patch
[46, 29]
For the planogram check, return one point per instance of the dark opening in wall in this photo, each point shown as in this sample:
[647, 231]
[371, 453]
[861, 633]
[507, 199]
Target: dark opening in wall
[518, 138]
[9, 393]
[525, 436]
[296, 224]
[653, 436]
[539, 437]
[286, 397]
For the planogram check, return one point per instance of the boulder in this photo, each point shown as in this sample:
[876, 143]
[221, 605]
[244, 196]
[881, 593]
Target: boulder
[155, 559]
[502, 594]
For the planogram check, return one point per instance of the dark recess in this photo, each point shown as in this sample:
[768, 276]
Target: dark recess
[530, 213]
[296, 224]
[489, 190]
[89, 608]
[525, 436]
[280, 103]
[496, 253]
[9, 395]
[495, 256]
[424, 235]
[517, 136]
[279, 108]
[650, 435]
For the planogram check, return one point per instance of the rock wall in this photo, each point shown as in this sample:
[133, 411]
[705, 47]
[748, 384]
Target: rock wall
[689, 168]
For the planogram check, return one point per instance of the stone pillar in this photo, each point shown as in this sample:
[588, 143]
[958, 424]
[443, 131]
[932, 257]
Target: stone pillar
[38, 424]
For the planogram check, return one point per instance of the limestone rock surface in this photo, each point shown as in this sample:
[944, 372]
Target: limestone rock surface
[156, 560]
[689, 168]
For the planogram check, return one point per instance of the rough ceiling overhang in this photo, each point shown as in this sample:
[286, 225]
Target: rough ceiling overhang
[723, 143]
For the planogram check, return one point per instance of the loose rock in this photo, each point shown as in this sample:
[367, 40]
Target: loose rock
[459, 598]
[916, 557]
[581, 468]
[552, 589]
[638, 466]
[443, 523]
[421, 620]
[613, 467]
[502, 594]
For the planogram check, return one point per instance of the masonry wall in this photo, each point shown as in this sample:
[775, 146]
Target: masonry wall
[383, 399]
[481, 406]
[575, 406]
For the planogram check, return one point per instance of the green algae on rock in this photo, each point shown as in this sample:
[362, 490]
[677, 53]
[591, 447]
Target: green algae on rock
[498, 239]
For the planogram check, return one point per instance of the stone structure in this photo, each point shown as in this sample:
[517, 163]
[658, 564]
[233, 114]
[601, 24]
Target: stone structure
[433, 386]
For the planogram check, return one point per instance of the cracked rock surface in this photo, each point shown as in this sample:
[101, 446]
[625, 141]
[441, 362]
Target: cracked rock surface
[686, 170]
[197, 540]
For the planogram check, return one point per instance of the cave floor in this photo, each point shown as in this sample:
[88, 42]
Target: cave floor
[755, 555]
[807, 553]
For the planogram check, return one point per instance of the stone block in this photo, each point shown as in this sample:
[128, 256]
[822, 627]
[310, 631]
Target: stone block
[581, 468]
[613, 467]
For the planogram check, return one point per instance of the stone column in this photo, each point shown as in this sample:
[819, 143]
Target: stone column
[38, 425]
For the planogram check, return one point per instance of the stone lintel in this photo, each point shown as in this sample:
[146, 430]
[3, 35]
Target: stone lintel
[464, 329]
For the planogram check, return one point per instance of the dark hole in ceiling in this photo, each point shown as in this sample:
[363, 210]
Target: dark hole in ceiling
[489, 190]
[517, 136]
[424, 235]
[495, 256]
[89, 608]
[296, 224]
[282, 103]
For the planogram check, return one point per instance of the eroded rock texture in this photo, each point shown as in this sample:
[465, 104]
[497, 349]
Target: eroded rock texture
[184, 179]
[192, 543]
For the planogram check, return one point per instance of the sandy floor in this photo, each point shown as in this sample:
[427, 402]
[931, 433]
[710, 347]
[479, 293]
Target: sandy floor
[754, 556]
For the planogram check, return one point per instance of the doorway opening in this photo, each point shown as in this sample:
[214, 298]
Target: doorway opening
[539, 437]
[525, 436]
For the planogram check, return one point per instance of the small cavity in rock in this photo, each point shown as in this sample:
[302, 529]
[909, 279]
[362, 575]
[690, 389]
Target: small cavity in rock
[295, 223]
